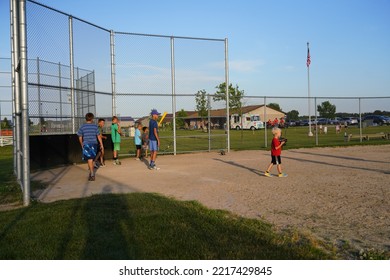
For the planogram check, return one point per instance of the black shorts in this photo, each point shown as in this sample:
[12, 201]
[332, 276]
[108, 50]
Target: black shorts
[138, 147]
[276, 160]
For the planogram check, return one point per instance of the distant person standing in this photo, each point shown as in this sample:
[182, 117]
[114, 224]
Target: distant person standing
[138, 141]
[275, 122]
[116, 139]
[154, 140]
[337, 128]
[89, 136]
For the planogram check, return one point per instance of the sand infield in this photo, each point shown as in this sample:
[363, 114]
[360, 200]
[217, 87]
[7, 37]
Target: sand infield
[339, 195]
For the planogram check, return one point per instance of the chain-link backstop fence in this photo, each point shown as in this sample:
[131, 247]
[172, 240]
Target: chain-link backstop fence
[128, 74]
[64, 67]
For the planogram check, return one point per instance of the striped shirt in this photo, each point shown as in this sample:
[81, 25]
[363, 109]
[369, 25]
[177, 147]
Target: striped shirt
[89, 132]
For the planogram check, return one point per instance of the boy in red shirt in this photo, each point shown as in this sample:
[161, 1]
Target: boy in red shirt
[276, 151]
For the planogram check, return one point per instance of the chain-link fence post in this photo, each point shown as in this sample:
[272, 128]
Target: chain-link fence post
[265, 122]
[315, 119]
[209, 119]
[71, 63]
[113, 90]
[227, 96]
[22, 72]
[15, 88]
[173, 93]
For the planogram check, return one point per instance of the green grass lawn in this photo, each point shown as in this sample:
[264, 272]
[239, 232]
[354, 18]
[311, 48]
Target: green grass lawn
[9, 188]
[196, 140]
[143, 226]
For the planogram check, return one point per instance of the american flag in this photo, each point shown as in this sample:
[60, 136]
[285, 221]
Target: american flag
[308, 57]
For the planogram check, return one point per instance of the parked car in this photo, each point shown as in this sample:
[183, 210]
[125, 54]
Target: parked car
[377, 119]
[350, 121]
[304, 122]
[322, 121]
[292, 122]
[336, 121]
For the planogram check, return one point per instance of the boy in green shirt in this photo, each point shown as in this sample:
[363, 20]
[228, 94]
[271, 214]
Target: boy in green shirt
[116, 139]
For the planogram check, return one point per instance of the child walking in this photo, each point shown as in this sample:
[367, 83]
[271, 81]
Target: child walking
[276, 151]
[89, 136]
[116, 139]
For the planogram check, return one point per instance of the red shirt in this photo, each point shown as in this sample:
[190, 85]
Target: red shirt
[275, 143]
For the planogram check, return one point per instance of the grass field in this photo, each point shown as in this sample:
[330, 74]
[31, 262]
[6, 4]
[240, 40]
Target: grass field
[9, 188]
[143, 226]
[196, 140]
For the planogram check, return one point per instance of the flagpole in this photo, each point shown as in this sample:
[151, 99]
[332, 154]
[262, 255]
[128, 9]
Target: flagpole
[308, 87]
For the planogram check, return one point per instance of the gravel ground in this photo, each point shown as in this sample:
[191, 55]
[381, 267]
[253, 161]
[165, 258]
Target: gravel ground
[339, 195]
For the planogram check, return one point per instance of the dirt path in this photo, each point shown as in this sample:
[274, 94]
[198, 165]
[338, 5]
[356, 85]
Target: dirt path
[340, 195]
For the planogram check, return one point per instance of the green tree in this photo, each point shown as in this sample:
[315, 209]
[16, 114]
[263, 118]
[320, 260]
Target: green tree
[274, 106]
[292, 115]
[202, 103]
[235, 97]
[5, 124]
[42, 121]
[326, 110]
[180, 122]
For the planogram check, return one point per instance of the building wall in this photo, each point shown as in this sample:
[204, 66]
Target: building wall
[271, 113]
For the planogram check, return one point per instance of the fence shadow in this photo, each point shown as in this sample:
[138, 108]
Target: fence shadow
[338, 157]
[256, 171]
[337, 165]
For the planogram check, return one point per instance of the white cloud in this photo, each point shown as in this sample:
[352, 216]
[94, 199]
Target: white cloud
[245, 65]
[289, 68]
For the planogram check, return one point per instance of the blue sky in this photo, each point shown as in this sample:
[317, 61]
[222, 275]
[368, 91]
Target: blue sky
[349, 41]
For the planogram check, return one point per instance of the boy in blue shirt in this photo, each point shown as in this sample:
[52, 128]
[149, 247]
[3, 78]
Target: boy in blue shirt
[154, 140]
[89, 135]
[138, 141]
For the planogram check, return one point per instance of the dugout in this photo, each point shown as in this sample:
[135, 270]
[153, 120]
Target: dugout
[47, 151]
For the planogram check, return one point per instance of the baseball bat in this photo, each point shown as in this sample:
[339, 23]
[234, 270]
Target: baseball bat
[162, 118]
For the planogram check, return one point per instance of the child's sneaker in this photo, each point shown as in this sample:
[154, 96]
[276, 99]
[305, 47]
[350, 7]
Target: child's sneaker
[91, 178]
[282, 175]
[153, 167]
[266, 173]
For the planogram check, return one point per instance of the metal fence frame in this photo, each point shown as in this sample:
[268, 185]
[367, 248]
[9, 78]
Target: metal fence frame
[315, 99]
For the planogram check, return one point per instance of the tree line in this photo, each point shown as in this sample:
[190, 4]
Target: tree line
[236, 95]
